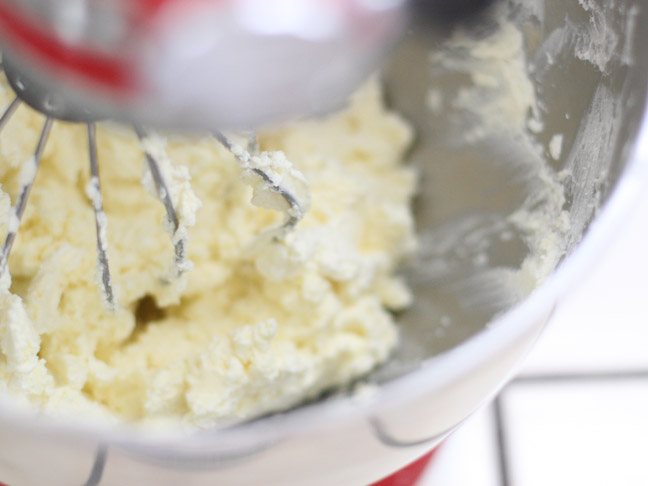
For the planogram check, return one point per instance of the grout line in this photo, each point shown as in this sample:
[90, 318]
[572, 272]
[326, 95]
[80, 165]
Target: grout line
[640, 374]
[503, 459]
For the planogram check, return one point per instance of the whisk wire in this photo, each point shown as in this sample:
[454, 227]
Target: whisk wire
[8, 112]
[94, 191]
[165, 197]
[26, 185]
[243, 159]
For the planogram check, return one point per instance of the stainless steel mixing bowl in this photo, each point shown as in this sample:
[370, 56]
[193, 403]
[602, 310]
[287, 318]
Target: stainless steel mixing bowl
[441, 373]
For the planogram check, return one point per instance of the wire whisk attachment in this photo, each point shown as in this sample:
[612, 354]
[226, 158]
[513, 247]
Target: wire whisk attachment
[55, 108]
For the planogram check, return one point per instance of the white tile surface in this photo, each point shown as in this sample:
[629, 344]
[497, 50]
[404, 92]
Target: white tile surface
[468, 457]
[587, 433]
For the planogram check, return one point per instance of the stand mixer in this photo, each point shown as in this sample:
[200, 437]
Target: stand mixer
[436, 380]
[81, 62]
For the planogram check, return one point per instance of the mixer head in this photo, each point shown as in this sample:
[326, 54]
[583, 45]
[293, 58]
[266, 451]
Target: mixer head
[196, 65]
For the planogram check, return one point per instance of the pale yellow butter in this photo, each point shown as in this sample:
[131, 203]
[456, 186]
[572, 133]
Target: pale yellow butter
[252, 328]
